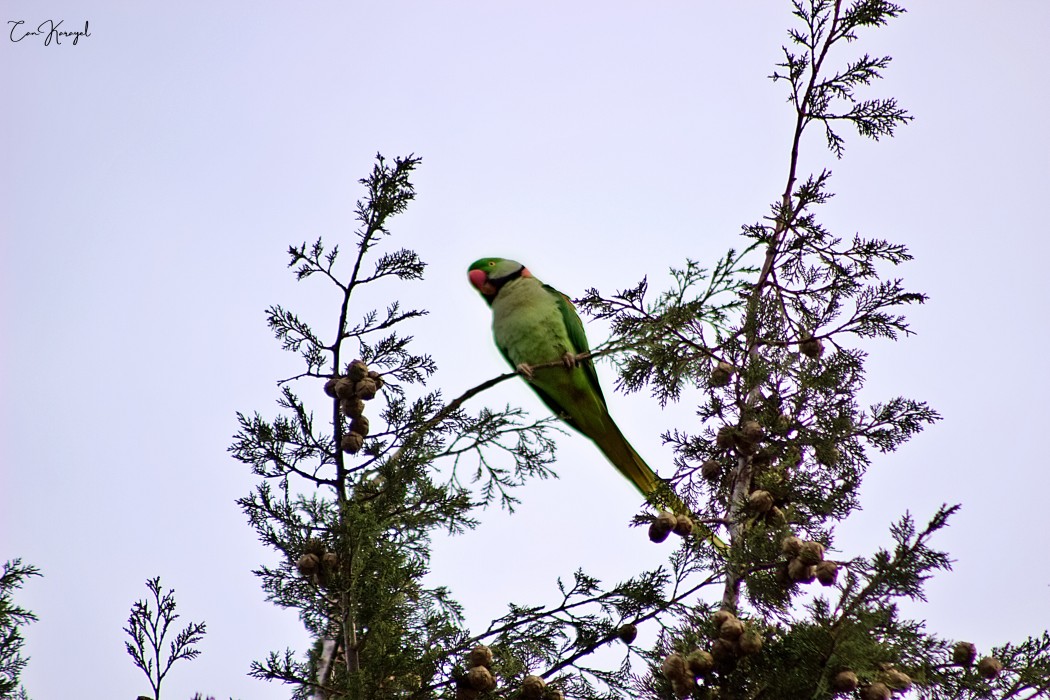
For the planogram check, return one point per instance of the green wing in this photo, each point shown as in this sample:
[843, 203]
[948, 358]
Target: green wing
[577, 337]
[555, 407]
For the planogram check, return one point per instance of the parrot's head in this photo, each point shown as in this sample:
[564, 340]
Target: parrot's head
[489, 274]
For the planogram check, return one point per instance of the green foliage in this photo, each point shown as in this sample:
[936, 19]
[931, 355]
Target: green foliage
[769, 337]
[148, 629]
[12, 619]
[824, 96]
[774, 460]
[426, 464]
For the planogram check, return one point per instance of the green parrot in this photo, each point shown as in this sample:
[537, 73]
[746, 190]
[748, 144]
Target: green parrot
[535, 324]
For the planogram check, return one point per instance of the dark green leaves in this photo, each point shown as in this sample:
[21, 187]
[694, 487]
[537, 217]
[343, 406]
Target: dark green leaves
[668, 340]
[389, 190]
[827, 96]
[148, 626]
[352, 528]
[12, 619]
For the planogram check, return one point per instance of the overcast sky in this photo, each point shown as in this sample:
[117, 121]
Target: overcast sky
[154, 174]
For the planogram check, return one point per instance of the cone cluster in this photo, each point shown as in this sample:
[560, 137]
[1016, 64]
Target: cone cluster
[317, 563]
[359, 385]
[667, 522]
[479, 678]
[743, 438]
[805, 563]
[734, 640]
[887, 681]
[965, 653]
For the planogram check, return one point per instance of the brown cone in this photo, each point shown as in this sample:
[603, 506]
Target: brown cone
[357, 371]
[662, 526]
[480, 678]
[989, 667]
[845, 682]
[480, 655]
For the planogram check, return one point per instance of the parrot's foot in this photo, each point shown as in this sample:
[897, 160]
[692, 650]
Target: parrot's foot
[569, 360]
[525, 370]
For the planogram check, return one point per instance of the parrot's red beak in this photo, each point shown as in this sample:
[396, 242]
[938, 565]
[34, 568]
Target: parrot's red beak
[480, 280]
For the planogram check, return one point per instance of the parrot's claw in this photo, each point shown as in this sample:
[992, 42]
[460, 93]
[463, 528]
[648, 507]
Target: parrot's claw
[525, 370]
[569, 360]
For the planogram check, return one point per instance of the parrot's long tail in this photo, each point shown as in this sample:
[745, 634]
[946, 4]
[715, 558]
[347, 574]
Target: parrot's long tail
[629, 463]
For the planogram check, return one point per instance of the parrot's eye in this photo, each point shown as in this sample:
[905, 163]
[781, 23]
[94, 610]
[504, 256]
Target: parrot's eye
[492, 263]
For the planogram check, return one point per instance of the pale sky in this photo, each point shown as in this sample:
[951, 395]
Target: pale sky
[154, 174]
